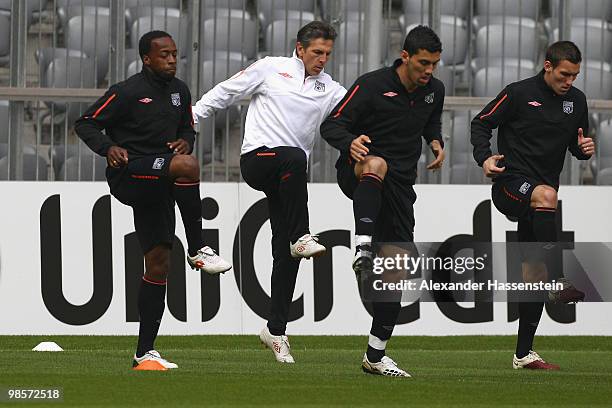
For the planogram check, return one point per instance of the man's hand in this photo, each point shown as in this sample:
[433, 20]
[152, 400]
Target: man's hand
[116, 156]
[490, 166]
[586, 144]
[179, 146]
[438, 152]
[358, 149]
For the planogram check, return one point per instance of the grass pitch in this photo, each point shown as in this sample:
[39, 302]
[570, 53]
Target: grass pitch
[235, 370]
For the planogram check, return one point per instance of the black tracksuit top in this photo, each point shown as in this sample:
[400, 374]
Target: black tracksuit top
[379, 106]
[140, 114]
[536, 128]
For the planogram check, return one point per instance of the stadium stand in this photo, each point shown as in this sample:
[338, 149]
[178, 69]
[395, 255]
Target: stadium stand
[234, 33]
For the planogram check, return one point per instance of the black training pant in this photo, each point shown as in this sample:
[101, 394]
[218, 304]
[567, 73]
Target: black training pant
[280, 173]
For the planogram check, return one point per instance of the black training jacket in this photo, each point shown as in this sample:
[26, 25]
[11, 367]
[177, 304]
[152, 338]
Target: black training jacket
[140, 114]
[536, 128]
[379, 106]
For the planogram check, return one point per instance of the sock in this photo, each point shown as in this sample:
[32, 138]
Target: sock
[545, 230]
[363, 240]
[151, 305]
[275, 332]
[544, 224]
[383, 323]
[376, 349]
[367, 200]
[187, 196]
[529, 318]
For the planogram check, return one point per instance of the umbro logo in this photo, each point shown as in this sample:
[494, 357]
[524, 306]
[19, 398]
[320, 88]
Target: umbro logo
[286, 75]
[145, 100]
[390, 94]
[366, 219]
[535, 103]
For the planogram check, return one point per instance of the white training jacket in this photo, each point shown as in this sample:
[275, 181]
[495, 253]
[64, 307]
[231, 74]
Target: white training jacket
[285, 108]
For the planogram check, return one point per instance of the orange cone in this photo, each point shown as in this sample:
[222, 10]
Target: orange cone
[150, 365]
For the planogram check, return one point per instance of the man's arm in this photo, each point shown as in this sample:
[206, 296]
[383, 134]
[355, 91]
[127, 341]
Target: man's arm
[224, 94]
[433, 128]
[582, 147]
[498, 111]
[336, 128]
[185, 134]
[103, 114]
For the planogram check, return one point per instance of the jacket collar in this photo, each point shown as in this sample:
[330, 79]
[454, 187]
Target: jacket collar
[303, 67]
[154, 79]
[398, 82]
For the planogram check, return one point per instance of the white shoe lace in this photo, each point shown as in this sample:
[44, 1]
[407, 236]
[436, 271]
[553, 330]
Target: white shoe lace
[535, 355]
[311, 237]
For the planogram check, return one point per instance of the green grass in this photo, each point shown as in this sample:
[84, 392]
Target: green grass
[235, 370]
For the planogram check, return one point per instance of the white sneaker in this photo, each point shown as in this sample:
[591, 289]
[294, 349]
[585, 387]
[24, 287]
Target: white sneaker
[532, 361]
[307, 246]
[385, 366]
[208, 261]
[278, 344]
[152, 356]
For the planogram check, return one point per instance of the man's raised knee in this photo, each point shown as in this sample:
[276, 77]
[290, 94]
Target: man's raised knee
[376, 165]
[185, 167]
[544, 196]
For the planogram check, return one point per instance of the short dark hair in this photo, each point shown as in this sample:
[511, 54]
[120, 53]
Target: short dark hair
[563, 50]
[314, 30]
[422, 38]
[144, 44]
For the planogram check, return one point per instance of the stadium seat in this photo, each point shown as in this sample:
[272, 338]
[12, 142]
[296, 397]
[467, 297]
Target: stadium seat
[592, 36]
[134, 13]
[491, 80]
[459, 8]
[204, 140]
[454, 37]
[448, 76]
[4, 121]
[65, 160]
[351, 38]
[83, 168]
[595, 80]
[91, 35]
[173, 24]
[274, 10]
[138, 8]
[486, 10]
[35, 167]
[589, 9]
[280, 37]
[44, 56]
[77, 10]
[63, 7]
[507, 40]
[31, 7]
[5, 40]
[212, 13]
[348, 10]
[70, 72]
[214, 72]
[229, 34]
[483, 62]
[459, 144]
[349, 69]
